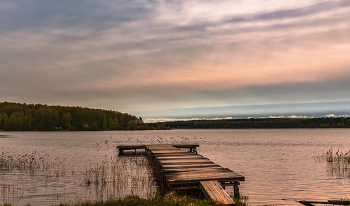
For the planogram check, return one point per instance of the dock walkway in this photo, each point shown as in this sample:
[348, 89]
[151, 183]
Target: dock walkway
[179, 169]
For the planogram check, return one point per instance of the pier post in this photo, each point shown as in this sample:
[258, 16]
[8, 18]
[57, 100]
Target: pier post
[236, 189]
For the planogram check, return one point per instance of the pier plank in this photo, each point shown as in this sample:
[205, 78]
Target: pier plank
[172, 154]
[206, 169]
[181, 157]
[188, 176]
[185, 145]
[185, 161]
[188, 166]
[168, 151]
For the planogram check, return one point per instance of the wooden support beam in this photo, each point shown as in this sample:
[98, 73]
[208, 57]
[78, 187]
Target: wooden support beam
[213, 190]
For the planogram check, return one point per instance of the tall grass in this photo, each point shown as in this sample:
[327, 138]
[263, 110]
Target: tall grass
[240, 200]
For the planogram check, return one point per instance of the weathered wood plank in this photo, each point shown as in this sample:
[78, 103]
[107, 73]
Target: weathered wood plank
[173, 154]
[128, 147]
[208, 174]
[185, 145]
[155, 146]
[200, 175]
[181, 157]
[205, 169]
[168, 151]
[222, 176]
[162, 149]
[188, 166]
[186, 161]
[213, 190]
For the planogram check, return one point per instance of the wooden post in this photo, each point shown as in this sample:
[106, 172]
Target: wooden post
[236, 189]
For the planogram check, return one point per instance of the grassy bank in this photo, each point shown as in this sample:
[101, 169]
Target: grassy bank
[170, 199]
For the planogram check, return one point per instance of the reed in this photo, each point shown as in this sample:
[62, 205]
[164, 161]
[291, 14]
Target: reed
[107, 180]
[14, 166]
[10, 188]
[338, 163]
[32, 162]
[116, 177]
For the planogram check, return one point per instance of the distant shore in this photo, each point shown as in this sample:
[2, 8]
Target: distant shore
[259, 123]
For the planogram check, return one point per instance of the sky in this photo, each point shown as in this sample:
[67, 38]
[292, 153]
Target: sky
[165, 59]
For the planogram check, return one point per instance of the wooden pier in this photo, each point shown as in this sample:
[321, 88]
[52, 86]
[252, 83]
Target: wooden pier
[177, 169]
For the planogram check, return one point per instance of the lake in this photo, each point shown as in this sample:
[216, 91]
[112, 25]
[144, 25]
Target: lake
[279, 164]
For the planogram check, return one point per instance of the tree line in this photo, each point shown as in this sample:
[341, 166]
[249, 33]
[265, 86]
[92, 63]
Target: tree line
[339, 122]
[26, 117]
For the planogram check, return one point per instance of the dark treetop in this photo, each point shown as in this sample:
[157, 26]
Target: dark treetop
[17, 117]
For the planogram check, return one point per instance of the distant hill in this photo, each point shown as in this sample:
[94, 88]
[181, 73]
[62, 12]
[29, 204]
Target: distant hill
[26, 117]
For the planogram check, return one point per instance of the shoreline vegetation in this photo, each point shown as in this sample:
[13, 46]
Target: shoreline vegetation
[39, 117]
[259, 123]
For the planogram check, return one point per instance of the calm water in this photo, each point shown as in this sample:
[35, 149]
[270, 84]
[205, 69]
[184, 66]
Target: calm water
[279, 165]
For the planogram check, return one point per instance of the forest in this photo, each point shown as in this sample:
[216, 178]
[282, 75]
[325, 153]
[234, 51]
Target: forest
[41, 117]
[339, 122]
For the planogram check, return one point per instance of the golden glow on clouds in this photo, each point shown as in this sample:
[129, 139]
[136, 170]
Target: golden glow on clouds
[299, 64]
[164, 54]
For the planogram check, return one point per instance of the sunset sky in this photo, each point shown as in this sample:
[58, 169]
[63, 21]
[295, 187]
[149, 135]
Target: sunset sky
[179, 59]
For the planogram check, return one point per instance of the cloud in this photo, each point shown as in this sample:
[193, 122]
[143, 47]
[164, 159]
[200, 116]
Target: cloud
[155, 120]
[276, 116]
[334, 116]
[150, 120]
[151, 56]
[295, 116]
[304, 11]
